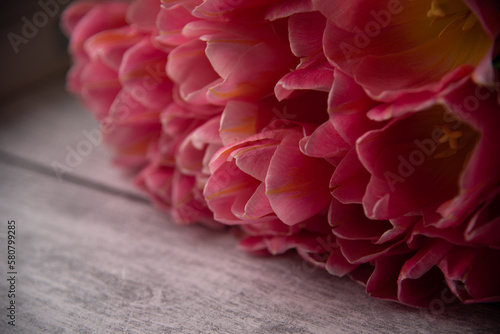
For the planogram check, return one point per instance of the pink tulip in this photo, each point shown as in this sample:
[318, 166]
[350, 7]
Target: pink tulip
[119, 74]
[246, 185]
[440, 147]
[95, 82]
[84, 19]
[390, 47]
[267, 185]
[416, 192]
[176, 194]
[178, 164]
[360, 134]
[212, 65]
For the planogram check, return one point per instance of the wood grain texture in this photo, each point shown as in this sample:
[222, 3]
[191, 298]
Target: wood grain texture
[42, 125]
[95, 260]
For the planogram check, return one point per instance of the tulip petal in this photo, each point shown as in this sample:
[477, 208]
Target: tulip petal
[297, 186]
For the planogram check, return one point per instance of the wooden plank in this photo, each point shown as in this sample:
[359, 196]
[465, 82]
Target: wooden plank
[92, 262]
[45, 123]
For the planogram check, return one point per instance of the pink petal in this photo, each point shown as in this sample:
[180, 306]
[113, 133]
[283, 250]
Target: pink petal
[99, 88]
[254, 245]
[238, 121]
[191, 153]
[337, 264]
[313, 74]
[103, 16]
[297, 186]
[74, 13]
[383, 282]
[249, 67]
[142, 73]
[350, 179]
[170, 23]
[189, 67]
[471, 275]
[220, 9]
[324, 142]
[258, 205]
[255, 159]
[287, 8]
[306, 33]
[348, 105]
[142, 14]
[222, 188]
[110, 45]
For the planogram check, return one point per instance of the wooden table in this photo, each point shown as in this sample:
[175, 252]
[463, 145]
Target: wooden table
[93, 256]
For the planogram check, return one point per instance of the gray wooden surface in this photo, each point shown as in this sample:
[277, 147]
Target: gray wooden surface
[95, 257]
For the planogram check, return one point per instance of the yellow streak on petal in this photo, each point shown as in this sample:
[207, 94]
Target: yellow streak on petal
[229, 190]
[254, 148]
[193, 167]
[170, 32]
[291, 187]
[247, 125]
[137, 148]
[171, 1]
[239, 90]
[143, 71]
[111, 37]
[295, 186]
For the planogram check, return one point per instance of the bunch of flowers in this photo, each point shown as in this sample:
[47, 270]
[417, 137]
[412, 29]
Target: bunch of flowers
[362, 134]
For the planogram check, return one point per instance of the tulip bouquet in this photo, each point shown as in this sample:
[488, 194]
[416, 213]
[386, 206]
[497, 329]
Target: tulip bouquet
[362, 134]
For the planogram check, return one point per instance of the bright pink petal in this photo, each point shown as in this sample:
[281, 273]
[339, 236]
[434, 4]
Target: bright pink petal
[312, 74]
[297, 185]
[188, 67]
[222, 189]
[170, 23]
[110, 45]
[142, 74]
[99, 87]
[348, 105]
[103, 16]
[74, 13]
[324, 142]
[258, 205]
[254, 160]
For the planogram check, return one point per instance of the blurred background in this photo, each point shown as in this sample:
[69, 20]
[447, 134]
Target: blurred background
[32, 46]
